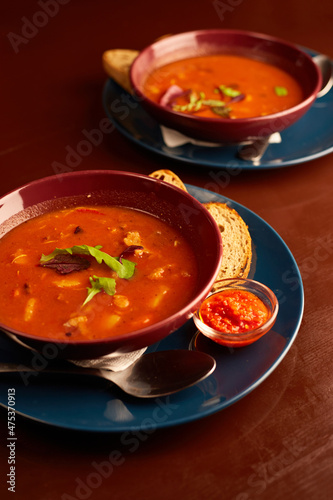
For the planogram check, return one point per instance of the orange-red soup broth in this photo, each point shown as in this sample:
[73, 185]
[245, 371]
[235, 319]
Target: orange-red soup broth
[42, 302]
[225, 86]
[233, 311]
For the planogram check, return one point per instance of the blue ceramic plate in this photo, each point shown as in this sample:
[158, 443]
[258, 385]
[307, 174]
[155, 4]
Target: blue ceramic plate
[309, 138]
[100, 407]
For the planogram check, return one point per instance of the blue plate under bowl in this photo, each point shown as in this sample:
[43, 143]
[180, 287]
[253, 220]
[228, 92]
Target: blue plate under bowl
[99, 406]
[309, 138]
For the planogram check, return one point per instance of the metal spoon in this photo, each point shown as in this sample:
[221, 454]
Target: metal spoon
[155, 374]
[256, 149]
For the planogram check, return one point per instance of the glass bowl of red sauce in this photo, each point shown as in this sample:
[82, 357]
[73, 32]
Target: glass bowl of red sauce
[237, 312]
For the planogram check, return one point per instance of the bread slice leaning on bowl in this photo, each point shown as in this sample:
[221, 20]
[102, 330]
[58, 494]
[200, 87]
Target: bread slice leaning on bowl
[236, 239]
[117, 63]
[168, 176]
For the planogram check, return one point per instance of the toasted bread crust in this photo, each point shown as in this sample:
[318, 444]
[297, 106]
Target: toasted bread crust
[117, 63]
[236, 240]
[170, 177]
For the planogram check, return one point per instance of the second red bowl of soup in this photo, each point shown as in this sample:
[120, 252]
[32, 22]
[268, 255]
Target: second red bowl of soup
[225, 85]
[102, 262]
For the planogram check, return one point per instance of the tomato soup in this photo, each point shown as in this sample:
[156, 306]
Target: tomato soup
[93, 272]
[225, 86]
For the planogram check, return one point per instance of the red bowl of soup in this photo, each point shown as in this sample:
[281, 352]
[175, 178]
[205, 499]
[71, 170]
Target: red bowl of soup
[225, 85]
[100, 262]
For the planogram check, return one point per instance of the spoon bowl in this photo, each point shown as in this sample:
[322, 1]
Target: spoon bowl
[153, 375]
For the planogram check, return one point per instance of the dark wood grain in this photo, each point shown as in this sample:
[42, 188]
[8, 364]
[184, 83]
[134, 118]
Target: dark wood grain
[274, 444]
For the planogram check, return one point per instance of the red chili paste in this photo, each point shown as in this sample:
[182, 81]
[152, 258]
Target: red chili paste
[233, 311]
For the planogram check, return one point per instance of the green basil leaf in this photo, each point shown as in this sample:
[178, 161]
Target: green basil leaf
[213, 102]
[229, 91]
[97, 285]
[281, 91]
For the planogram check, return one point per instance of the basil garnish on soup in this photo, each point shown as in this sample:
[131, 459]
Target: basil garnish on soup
[108, 285]
[280, 91]
[125, 269]
[65, 264]
[67, 260]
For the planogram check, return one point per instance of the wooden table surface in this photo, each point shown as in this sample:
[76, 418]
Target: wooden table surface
[276, 443]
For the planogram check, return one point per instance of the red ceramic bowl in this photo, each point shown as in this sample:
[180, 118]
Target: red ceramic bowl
[254, 45]
[156, 197]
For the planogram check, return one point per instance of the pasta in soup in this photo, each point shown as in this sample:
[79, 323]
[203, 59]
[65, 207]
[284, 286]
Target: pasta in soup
[92, 272]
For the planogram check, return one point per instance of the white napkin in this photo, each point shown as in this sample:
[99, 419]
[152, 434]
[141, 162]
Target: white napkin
[173, 139]
[113, 362]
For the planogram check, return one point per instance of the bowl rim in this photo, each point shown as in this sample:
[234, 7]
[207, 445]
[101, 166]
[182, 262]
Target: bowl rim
[247, 285]
[251, 34]
[187, 310]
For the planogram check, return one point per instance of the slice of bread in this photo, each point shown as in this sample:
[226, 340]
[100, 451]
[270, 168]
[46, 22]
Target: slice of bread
[236, 240]
[117, 63]
[168, 176]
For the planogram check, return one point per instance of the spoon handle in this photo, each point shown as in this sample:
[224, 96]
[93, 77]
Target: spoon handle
[255, 150]
[153, 375]
[7, 367]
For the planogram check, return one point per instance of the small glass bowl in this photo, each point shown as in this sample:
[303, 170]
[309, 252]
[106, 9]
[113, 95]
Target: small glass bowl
[247, 337]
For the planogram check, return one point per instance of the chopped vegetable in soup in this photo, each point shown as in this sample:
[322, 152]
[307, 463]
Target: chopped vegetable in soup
[93, 272]
[225, 86]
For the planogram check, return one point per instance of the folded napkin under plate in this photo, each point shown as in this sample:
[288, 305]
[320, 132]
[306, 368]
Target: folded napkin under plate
[173, 139]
